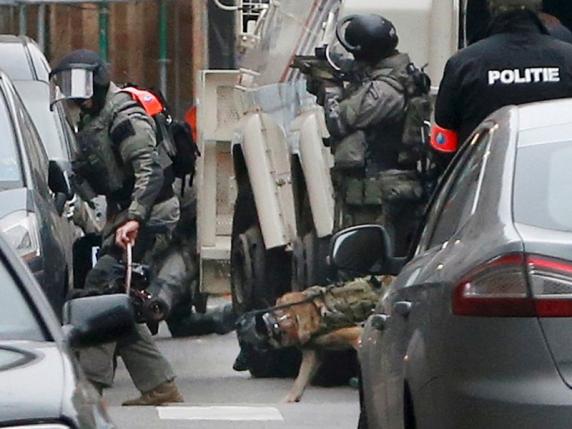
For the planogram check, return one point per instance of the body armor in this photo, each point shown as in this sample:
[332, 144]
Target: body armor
[98, 161]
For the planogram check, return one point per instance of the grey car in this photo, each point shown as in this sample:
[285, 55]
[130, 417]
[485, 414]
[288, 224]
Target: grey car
[41, 383]
[23, 61]
[476, 329]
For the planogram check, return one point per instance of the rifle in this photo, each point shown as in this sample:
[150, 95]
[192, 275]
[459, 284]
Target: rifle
[320, 73]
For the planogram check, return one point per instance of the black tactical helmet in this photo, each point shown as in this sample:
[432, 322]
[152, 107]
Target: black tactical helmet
[500, 6]
[368, 37]
[80, 75]
[89, 60]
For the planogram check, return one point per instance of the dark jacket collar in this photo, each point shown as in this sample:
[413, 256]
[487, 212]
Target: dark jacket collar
[517, 22]
[386, 66]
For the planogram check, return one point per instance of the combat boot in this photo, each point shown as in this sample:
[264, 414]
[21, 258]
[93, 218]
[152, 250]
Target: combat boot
[163, 394]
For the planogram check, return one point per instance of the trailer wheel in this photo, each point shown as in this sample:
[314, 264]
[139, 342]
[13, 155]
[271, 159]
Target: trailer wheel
[309, 261]
[316, 252]
[259, 277]
[299, 279]
[242, 273]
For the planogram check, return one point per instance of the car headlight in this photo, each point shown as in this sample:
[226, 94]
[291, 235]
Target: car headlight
[21, 231]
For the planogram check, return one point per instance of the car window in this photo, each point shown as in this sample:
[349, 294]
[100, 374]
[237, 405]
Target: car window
[14, 61]
[459, 194]
[34, 149]
[542, 199]
[36, 98]
[41, 66]
[69, 135]
[10, 165]
[17, 320]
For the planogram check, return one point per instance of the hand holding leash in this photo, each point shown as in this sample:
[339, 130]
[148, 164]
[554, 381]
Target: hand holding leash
[127, 234]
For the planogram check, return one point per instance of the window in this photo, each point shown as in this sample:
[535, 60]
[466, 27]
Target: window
[38, 160]
[10, 167]
[36, 98]
[542, 200]
[15, 62]
[459, 194]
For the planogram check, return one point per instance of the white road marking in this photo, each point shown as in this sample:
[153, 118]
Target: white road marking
[223, 413]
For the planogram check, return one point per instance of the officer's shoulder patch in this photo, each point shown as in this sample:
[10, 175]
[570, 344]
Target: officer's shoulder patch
[122, 131]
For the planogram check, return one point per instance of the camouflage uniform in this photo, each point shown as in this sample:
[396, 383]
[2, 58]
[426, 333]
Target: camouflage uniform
[129, 170]
[346, 305]
[366, 120]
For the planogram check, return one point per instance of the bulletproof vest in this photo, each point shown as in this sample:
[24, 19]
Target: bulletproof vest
[98, 160]
[384, 141]
[347, 305]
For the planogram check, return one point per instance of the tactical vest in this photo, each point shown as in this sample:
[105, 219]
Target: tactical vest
[99, 161]
[347, 305]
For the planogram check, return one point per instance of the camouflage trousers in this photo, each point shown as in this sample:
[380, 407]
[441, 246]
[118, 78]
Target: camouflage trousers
[146, 365]
[393, 199]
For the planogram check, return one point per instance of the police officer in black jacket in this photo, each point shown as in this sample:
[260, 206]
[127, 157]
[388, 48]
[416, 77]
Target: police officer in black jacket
[517, 63]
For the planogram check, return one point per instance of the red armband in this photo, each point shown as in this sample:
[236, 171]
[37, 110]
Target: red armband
[444, 140]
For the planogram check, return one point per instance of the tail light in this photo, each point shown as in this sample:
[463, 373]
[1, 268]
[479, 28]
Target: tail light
[516, 285]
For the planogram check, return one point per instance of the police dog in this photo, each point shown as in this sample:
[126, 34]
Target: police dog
[299, 324]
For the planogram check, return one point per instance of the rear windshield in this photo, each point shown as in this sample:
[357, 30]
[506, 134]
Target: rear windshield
[15, 62]
[543, 185]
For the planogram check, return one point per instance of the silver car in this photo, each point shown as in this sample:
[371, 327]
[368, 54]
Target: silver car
[476, 329]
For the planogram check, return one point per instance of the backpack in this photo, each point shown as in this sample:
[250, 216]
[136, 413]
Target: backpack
[173, 136]
[418, 107]
[415, 85]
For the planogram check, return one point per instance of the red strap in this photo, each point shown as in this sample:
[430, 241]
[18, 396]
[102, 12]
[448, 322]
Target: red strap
[444, 140]
[146, 99]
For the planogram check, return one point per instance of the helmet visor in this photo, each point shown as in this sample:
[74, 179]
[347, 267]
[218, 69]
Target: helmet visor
[71, 84]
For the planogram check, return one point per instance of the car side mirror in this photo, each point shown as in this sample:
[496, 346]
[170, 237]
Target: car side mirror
[364, 250]
[96, 320]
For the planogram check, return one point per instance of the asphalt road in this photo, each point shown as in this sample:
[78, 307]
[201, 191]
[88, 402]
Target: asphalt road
[218, 397]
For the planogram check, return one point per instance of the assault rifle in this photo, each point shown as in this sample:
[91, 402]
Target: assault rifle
[321, 74]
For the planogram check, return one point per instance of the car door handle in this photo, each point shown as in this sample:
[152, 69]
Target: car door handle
[379, 321]
[403, 308]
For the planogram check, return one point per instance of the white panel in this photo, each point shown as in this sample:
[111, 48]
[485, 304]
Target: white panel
[220, 413]
[314, 159]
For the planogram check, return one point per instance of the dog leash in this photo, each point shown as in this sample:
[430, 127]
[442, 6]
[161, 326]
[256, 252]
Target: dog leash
[129, 270]
[283, 306]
